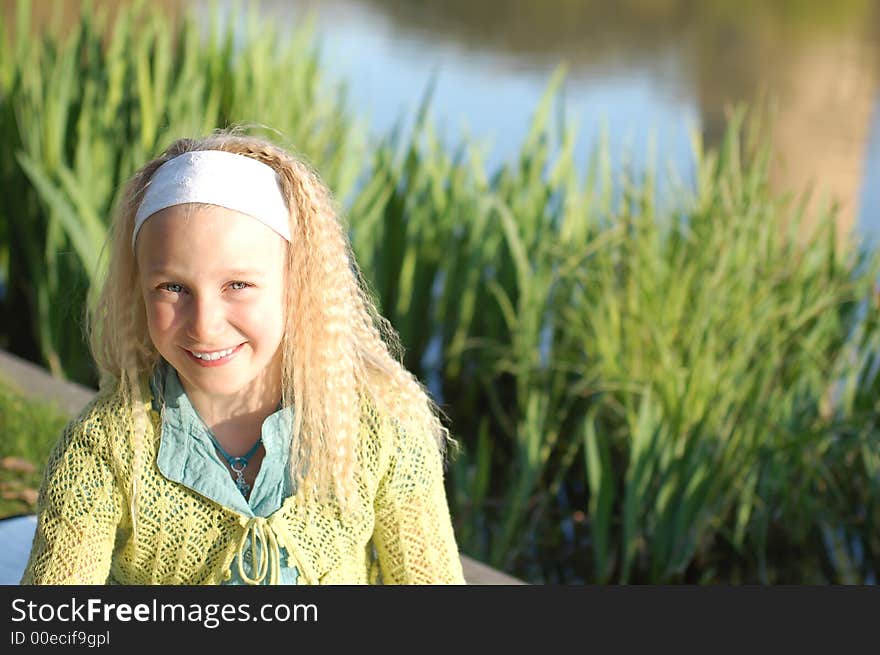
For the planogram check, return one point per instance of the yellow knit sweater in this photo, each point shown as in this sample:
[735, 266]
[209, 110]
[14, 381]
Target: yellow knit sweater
[399, 533]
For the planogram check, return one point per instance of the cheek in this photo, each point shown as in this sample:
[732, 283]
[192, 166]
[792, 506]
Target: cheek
[266, 318]
[161, 319]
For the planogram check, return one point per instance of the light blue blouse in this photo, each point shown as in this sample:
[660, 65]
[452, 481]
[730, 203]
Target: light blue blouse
[187, 456]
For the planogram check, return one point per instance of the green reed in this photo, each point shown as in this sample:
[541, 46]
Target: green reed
[643, 391]
[678, 365]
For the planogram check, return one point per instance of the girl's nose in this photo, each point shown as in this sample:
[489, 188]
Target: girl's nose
[208, 320]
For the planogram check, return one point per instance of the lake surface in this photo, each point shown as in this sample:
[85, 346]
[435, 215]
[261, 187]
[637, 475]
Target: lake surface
[640, 69]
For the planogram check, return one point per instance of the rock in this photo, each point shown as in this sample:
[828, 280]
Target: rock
[17, 464]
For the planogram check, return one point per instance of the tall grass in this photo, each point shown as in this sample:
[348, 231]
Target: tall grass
[644, 392]
[668, 374]
[712, 341]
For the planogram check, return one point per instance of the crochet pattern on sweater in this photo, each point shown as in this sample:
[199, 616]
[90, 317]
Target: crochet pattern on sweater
[398, 532]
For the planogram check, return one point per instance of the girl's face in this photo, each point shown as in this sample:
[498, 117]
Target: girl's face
[213, 286]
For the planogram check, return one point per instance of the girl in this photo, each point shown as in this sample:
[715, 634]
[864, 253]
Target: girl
[253, 425]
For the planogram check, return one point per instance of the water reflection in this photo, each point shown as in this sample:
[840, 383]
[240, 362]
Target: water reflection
[641, 66]
[816, 64]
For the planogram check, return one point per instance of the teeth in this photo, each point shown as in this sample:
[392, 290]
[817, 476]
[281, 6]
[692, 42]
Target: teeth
[213, 356]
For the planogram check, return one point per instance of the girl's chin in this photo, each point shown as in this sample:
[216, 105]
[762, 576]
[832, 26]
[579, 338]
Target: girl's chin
[221, 392]
[225, 382]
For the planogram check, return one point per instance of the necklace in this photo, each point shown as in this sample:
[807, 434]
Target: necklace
[238, 464]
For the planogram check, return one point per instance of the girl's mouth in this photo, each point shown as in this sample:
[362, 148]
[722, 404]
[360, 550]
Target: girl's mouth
[215, 357]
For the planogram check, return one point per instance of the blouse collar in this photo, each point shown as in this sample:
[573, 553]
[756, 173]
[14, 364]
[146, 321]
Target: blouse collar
[187, 455]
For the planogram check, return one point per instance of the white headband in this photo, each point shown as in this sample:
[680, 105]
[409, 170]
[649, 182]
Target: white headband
[216, 177]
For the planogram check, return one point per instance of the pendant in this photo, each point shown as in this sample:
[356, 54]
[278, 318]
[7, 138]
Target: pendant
[243, 486]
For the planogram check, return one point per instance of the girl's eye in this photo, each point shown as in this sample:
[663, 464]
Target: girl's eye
[239, 285]
[172, 287]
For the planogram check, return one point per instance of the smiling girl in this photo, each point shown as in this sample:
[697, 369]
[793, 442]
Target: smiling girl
[255, 424]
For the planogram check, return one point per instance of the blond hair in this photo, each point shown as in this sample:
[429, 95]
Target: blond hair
[337, 351]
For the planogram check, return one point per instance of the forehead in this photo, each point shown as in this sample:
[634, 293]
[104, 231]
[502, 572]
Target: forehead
[207, 238]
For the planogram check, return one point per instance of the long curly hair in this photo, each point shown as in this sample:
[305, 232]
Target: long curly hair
[338, 351]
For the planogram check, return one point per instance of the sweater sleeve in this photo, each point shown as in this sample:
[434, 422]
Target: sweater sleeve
[78, 509]
[414, 539]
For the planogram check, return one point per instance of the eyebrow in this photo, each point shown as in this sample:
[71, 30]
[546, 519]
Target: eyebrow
[239, 272]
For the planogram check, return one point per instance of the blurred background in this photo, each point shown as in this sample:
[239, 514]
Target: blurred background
[629, 246]
[638, 68]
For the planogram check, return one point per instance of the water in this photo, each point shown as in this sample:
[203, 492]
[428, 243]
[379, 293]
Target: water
[642, 69]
